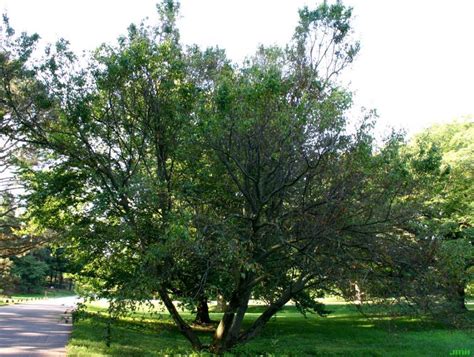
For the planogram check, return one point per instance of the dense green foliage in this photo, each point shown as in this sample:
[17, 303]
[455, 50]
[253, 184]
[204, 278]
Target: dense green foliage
[449, 211]
[30, 273]
[450, 199]
[36, 271]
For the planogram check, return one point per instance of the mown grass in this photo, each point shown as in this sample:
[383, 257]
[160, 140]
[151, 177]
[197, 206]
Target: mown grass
[345, 332]
[20, 298]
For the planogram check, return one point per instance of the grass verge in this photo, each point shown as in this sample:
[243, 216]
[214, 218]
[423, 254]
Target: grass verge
[21, 298]
[345, 332]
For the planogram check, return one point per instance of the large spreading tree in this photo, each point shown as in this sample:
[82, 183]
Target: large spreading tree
[174, 172]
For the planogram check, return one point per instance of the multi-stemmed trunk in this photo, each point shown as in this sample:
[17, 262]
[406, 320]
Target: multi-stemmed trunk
[229, 330]
[229, 333]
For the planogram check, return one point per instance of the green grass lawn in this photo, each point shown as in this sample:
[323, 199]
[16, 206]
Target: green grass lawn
[344, 332]
[20, 298]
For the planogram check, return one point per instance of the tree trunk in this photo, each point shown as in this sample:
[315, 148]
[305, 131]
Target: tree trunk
[184, 328]
[227, 333]
[202, 315]
[260, 323]
[357, 294]
[61, 280]
[221, 303]
[461, 298]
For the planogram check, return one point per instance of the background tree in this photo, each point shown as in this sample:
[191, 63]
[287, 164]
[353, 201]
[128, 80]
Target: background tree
[12, 241]
[30, 273]
[450, 209]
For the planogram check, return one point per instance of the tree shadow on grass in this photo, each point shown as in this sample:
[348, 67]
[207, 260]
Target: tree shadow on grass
[345, 332]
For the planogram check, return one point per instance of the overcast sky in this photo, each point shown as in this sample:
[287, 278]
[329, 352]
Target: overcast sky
[416, 66]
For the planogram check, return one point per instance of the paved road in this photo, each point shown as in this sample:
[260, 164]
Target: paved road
[35, 329]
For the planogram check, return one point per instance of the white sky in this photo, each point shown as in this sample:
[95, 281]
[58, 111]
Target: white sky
[416, 66]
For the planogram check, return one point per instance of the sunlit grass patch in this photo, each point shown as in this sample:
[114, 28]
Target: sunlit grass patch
[17, 298]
